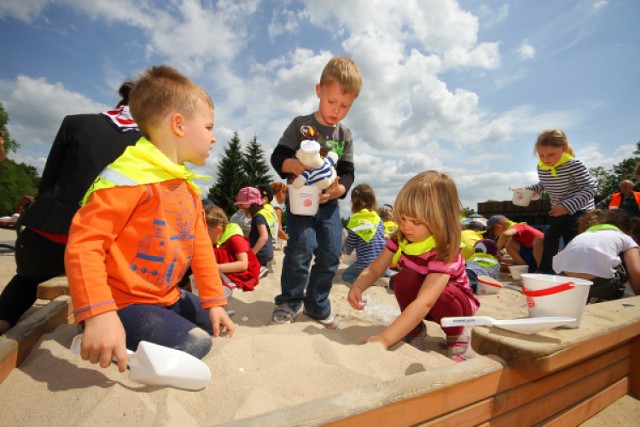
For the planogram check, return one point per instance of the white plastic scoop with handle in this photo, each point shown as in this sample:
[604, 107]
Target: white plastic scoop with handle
[526, 326]
[154, 364]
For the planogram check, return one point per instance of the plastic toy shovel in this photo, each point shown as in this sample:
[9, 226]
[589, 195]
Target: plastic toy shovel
[526, 326]
[153, 364]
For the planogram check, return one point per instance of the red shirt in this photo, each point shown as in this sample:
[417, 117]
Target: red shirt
[526, 234]
[227, 252]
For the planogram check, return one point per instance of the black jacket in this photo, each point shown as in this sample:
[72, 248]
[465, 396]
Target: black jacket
[84, 146]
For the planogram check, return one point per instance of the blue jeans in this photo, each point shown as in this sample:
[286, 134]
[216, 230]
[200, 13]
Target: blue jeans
[309, 236]
[184, 325]
[351, 273]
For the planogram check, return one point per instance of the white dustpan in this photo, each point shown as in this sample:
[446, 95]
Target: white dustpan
[526, 326]
[154, 364]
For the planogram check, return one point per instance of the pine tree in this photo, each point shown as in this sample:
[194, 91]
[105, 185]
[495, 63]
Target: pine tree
[255, 164]
[231, 176]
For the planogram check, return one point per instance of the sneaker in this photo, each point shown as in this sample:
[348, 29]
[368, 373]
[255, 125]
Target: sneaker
[264, 271]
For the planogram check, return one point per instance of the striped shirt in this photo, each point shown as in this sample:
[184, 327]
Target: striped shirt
[573, 187]
[365, 252]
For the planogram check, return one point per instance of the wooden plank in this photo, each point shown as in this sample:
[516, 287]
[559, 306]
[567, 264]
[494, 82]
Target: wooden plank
[8, 357]
[556, 401]
[29, 330]
[589, 407]
[505, 401]
[634, 383]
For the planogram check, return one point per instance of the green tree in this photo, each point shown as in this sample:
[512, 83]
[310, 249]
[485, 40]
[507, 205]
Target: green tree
[231, 176]
[609, 181]
[16, 180]
[255, 164]
[9, 144]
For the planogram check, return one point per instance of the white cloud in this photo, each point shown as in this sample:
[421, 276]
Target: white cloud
[526, 51]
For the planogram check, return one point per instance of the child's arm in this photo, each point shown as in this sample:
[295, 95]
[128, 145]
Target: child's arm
[632, 262]
[262, 239]
[429, 292]
[103, 340]
[368, 277]
[240, 264]
[504, 238]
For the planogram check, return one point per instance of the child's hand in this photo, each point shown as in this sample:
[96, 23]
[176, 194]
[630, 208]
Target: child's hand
[558, 210]
[376, 339]
[220, 321]
[355, 298]
[103, 341]
[334, 191]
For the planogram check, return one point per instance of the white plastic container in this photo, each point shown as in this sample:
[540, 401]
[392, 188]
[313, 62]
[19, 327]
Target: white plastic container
[304, 201]
[522, 196]
[518, 270]
[487, 286]
[549, 295]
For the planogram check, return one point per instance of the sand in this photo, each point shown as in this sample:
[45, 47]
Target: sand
[262, 368]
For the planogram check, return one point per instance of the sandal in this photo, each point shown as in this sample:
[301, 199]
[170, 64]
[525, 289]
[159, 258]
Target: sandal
[457, 347]
[282, 315]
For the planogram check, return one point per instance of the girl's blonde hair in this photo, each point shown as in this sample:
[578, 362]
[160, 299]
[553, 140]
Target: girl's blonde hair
[432, 198]
[553, 138]
[162, 90]
[363, 197]
[215, 216]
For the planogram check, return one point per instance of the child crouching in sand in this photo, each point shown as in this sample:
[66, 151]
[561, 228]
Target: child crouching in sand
[141, 226]
[237, 264]
[432, 282]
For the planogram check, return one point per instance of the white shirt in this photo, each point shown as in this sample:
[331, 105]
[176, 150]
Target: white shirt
[596, 253]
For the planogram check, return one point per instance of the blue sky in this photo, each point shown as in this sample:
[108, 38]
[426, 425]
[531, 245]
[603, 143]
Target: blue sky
[458, 86]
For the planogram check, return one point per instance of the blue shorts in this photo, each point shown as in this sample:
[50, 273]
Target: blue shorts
[527, 255]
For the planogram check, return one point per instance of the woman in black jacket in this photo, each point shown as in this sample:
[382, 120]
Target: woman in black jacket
[84, 145]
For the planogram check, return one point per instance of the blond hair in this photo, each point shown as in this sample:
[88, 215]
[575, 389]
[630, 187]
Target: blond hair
[277, 186]
[553, 138]
[215, 216]
[161, 90]
[345, 72]
[432, 198]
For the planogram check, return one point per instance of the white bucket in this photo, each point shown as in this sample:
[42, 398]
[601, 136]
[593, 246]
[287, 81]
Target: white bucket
[522, 196]
[517, 271]
[487, 286]
[304, 201]
[556, 296]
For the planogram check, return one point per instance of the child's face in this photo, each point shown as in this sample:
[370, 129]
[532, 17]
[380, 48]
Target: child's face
[413, 229]
[497, 229]
[334, 105]
[214, 233]
[198, 135]
[549, 155]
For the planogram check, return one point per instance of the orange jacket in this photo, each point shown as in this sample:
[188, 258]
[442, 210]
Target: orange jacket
[131, 245]
[616, 199]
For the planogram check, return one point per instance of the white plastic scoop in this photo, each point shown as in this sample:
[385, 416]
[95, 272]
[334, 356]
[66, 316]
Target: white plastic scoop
[526, 326]
[154, 364]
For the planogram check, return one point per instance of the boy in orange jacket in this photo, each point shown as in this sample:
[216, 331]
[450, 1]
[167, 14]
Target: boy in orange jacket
[141, 227]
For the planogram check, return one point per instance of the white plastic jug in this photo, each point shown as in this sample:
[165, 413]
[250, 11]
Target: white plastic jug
[305, 200]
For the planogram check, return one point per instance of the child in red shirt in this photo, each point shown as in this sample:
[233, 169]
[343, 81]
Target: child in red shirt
[237, 264]
[523, 242]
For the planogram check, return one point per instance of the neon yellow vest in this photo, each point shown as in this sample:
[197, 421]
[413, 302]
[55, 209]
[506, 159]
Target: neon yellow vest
[140, 164]
[269, 214]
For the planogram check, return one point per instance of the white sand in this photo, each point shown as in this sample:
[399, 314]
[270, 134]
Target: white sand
[262, 368]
